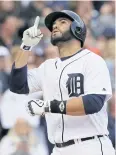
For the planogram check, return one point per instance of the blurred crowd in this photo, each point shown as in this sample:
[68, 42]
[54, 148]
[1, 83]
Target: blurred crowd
[21, 134]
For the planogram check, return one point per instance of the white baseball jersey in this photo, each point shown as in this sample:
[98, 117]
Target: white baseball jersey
[81, 74]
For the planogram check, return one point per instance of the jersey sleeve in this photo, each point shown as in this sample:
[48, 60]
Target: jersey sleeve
[35, 78]
[97, 78]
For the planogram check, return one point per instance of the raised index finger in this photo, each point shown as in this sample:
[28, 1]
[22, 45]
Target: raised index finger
[36, 23]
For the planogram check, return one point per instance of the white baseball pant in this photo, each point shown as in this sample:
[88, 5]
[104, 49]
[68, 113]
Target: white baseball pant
[96, 146]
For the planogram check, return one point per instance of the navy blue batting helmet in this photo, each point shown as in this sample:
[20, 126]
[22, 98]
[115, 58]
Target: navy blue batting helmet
[78, 28]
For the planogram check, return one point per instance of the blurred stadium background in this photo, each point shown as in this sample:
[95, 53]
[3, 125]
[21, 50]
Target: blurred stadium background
[21, 134]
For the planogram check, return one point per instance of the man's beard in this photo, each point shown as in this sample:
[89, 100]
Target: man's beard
[66, 36]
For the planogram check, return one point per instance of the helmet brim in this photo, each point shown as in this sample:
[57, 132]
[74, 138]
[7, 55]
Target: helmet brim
[49, 20]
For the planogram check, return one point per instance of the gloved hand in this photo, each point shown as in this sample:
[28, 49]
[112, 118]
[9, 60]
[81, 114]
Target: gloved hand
[31, 36]
[38, 107]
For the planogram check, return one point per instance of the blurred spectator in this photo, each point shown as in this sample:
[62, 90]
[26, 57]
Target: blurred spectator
[112, 119]
[8, 31]
[44, 13]
[39, 56]
[25, 3]
[90, 43]
[109, 33]
[112, 105]
[51, 52]
[20, 140]
[107, 47]
[23, 26]
[4, 76]
[111, 66]
[105, 19]
[84, 9]
[9, 7]
[97, 21]
[58, 5]
[97, 5]
[13, 107]
[33, 9]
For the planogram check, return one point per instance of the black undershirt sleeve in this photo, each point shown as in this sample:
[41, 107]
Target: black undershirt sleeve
[93, 103]
[18, 80]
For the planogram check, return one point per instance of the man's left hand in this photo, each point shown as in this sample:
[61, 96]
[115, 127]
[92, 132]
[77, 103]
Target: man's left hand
[37, 107]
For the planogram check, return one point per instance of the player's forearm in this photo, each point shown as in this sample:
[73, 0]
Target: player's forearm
[21, 58]
[83, 105]
[75, 107]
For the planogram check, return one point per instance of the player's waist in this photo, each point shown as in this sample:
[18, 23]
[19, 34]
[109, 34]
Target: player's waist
[73, 141]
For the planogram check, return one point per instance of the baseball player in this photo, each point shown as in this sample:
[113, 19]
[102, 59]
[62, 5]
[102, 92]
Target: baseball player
[76, 87]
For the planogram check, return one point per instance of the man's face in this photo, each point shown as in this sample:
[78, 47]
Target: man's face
[61, 31]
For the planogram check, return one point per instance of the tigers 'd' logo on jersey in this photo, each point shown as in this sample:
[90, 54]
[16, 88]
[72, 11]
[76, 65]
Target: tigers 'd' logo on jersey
[75, 84]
